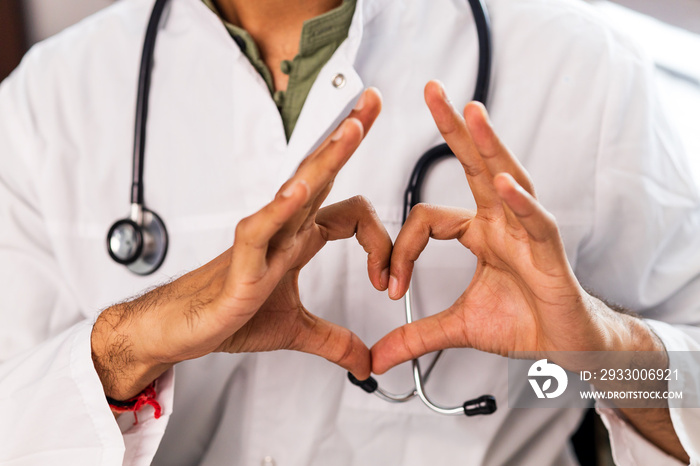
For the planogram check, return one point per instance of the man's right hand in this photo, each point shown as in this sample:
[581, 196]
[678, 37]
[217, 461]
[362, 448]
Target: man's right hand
[247, 299]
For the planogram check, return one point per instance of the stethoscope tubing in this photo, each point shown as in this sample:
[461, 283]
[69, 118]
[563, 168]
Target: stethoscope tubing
[485, 404]
[143, 93]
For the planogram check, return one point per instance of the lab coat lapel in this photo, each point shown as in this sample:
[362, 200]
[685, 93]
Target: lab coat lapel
[332, 96]
[326, 105]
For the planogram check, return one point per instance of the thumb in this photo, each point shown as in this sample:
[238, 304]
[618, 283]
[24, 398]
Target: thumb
[333, 342]
[410, 341]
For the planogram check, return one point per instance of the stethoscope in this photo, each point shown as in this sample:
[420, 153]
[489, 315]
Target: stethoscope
[140, 241]
[485, 404]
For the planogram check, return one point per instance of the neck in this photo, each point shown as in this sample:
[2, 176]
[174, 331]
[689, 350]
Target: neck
[284, 14]
[275, 25]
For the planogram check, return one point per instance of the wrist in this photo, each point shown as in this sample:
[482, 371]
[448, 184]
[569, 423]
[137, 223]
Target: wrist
[118, 356]
[623, 331]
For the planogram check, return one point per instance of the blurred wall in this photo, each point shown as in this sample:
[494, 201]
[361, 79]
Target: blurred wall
[681, 13]
[47, 17]
[13, 38]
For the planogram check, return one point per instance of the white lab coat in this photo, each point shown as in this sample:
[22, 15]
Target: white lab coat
[570, 97]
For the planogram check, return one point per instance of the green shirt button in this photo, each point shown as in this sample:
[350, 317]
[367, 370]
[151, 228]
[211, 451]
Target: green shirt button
[286, 66]
[278, 97]
[320, 37]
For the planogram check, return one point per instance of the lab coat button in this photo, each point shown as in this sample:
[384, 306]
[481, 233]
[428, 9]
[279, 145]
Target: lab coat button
[268, 461]
[338, 81]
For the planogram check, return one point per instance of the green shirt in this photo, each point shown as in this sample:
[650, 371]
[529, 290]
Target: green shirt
[320, 37]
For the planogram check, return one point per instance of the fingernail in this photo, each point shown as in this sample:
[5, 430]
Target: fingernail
[360, 102]
[384, 278]
[443, 93]
[393, 286]
[338, 133]
[485, 113]
[287, 193]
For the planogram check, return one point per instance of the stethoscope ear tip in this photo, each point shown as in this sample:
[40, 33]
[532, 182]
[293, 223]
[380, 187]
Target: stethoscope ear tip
[369, 385]
[485, 404]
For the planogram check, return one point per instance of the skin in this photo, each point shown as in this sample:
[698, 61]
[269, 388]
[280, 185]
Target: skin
[281, 42]
[247, 299]
[524, 295]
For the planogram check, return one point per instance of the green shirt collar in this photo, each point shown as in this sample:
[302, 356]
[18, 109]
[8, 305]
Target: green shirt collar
[320, 37]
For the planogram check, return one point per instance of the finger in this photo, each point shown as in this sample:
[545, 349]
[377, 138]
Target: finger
[545, 241]
[454, 130]
[494, 153]
[366, 109]
[253, 233]
[313, 209]
[356, 216]
[332, 342]
[319, 169]
[318, 173]
[425, 221]
[410, 341]
[365, 112]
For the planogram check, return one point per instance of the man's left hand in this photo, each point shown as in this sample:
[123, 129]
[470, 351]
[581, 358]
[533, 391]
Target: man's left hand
[524, 295]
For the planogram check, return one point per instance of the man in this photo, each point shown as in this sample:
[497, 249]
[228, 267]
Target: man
[570, 98]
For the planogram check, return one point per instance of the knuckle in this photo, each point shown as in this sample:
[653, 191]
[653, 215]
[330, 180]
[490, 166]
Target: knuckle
[377, 260]
[345, 348]
[421, 210]
[244, 227]
[423, 213]
[408, 343]
[363, 205]
[360, 201]
[473, 170]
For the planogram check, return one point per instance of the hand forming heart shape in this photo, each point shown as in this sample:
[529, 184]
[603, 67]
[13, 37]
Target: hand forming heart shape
[524, 295]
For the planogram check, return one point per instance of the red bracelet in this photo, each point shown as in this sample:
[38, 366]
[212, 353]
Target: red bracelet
[146, 397]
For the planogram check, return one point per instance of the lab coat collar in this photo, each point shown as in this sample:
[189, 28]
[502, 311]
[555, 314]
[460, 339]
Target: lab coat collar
[365, 11]
[327, 103]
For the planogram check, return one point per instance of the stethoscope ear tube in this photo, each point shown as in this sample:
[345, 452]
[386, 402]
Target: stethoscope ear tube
[485, 404]
[369, 385]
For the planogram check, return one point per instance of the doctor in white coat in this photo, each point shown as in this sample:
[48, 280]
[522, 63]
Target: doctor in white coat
[572, 100]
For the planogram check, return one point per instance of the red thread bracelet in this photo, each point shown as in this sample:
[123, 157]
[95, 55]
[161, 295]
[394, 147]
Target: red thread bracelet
[146, 397]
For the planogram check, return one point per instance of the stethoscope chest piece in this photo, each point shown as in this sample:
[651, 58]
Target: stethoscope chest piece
[139, 243]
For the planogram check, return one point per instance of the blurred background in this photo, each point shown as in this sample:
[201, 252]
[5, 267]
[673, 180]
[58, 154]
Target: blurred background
[25, 22]
[668, 29]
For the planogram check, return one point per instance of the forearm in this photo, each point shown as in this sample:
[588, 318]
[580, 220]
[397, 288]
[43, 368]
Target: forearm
[652, 423]
[120, 363]
[656, 426]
